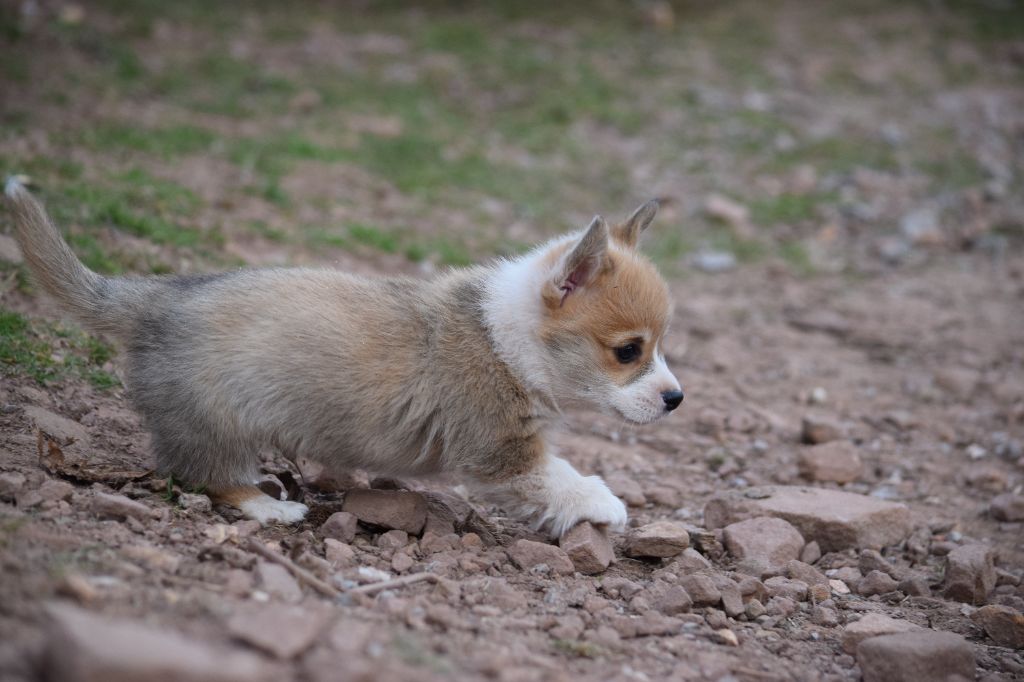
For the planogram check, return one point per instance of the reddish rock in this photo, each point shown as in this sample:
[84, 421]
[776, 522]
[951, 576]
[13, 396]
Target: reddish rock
[834, 519]
[836, 462]
[810, 553]
[339, 554]
[670, 599]
[970, 574]
[1008, 507]
[276, 581]
[763, 543]
[527, 554]
[281, 631]
[589, 548]
[11, 482]
[83, 647]
[691, 561]
[784, 587]
[657, 540]
[627, 489]
[916, 656]
[874, 583]
[701, 588]
[392, 509]
[120, 507]
[815, 429]
[798, 570]
[392, 539]
[873, 625]
[340, 526]
[1004, 625]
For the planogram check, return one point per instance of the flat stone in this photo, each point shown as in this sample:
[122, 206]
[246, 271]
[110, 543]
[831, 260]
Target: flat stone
[82, 647]
[970, 574]
[276, 581]
[392, 509]
[1008, 507]
[589, 548]
[527, 554]
[916, 656]
[339, 554]
[659, 539]
[691, 561]
[670, 599]
[837, 462]
[392, 539]
[11, 483]
[824, 616]
[798, 570]
[1003, 624]
[120, 507]
[873, 625]
[834, 519]
[765, 542]
[810, 553]
[56, 426]
[283, 631]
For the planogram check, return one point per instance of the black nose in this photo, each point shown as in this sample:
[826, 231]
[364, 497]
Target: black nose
[672, 399]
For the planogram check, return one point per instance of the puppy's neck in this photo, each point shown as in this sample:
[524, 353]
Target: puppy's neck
[512, 312]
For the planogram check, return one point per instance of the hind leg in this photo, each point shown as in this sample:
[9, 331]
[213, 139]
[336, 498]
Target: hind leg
[257, 505]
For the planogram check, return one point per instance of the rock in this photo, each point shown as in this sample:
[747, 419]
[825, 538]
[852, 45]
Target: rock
[872, 560]
[11, 482]
[75, 585]
[658, 539]
[876, 582]
[752, 588]
[626, 488]
[340, 526]
[784, 587]
[713, 261]
[393, 539]
[834, 519]
[916, 656]
[283, 631]
[810, 553]
[82, 647]
[764, 542]
[839, 587]
[815, 430]
[701, 588]
[527, 554]
[728, 211]
[970, 574]
[1004, 625]
[339, 554]
[153, 558]
[727, 637]
[732, 600]
[276, 581]
[837, 462]
[781, 607]
[960, 382]
[691, 561]
[393, 509]
[9, 250]
[873, 625]
[754, 609]
[197, 503]
[319, 477]
[670, 599]
[653, 624]
[53, 490]
[58, 427]
[1008, 507]
[914, 586]
[824, 616]
[798, 570]
[120, 507]
[589, 548]
[921, 226]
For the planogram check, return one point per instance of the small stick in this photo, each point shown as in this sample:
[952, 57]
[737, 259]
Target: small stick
[397, 582]
[300, 573]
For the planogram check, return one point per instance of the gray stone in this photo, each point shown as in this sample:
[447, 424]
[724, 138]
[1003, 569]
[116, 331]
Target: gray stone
[589, 548]
[701, 588]
[276, 581]
[61, 428]
[1003, 624]
[970, 574]
[765, 542]
[876, 582]
[1008, 507]
[340, 526]
[837, 462]
[392, 509]
[527, 554]
[657, 540]
[872, 625]
[282, 631]
[120, 507]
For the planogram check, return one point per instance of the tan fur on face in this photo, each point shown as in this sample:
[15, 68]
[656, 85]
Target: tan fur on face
[627, 300]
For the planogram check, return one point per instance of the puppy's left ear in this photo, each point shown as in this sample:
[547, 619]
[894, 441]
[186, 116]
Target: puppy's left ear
[628, 232]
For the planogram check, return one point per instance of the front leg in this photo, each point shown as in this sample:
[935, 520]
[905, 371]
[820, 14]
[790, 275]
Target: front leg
[553, 496]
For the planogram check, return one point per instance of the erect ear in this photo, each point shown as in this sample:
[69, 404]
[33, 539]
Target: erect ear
[581, 265]
[628, 232]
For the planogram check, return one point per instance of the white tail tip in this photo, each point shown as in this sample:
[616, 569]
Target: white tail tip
[15, 184]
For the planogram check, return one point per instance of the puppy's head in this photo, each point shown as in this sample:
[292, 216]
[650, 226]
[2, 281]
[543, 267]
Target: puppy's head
[605, 311]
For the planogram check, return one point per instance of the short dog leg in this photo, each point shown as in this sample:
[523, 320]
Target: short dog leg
[555, 497]
[259, 506]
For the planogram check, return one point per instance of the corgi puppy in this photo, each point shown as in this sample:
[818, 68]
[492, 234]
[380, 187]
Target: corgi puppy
[466, 372]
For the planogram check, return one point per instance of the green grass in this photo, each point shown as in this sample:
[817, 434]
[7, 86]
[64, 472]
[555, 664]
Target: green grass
[788, 208]
[166, 142]
[49, 353]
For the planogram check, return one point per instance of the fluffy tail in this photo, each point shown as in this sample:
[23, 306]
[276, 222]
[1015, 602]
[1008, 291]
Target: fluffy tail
[87, 295]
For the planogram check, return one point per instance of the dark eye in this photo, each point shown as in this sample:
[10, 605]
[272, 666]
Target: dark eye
[628, 353]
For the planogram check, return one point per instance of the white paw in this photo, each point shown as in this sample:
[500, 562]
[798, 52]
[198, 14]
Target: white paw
[588, 500]
[266, 509]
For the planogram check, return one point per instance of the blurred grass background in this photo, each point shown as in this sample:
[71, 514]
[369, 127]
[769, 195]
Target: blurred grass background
[401, 137]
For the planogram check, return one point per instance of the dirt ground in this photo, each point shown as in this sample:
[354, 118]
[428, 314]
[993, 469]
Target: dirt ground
[842, 228]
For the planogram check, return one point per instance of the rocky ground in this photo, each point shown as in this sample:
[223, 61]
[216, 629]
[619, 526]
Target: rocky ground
[841, 495]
